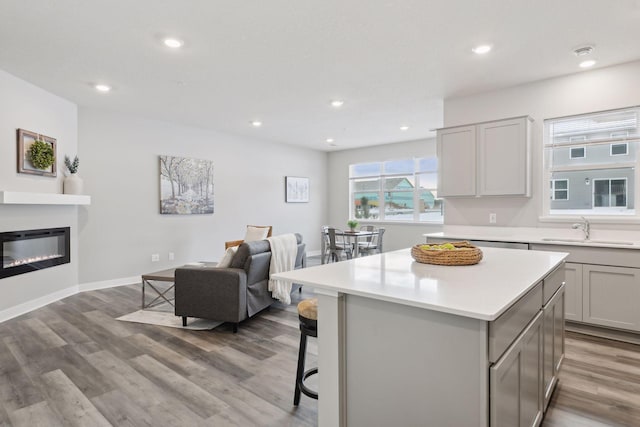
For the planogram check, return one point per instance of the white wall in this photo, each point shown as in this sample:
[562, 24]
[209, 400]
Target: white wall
[397, 236]
[601, 89]
[23, 105]
[120, 167]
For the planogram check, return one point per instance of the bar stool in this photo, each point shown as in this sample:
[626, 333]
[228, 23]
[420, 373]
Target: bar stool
[308, 314]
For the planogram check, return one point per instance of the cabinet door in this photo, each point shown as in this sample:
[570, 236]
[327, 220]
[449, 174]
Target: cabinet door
[553, 314]
[503, 158]
[573, 291]
[611, 296]
[457, 161]
[516, 381]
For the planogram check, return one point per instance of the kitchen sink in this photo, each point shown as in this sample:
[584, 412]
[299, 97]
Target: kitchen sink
[595, 241]
[553, 239]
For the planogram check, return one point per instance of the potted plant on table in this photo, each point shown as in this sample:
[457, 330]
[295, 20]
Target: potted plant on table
[72, 183]
[352, 223]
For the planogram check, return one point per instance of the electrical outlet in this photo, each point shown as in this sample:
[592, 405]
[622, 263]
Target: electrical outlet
[492, 218]
[155, 257]
[172, 256]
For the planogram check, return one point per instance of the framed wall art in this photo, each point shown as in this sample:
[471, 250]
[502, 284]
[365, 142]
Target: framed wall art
[296, 189]
[36, 153]
[186, 186]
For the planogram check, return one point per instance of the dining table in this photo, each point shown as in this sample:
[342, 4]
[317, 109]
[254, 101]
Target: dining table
[351, 236]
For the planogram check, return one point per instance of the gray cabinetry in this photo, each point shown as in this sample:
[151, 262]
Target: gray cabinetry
[457, 161]
[516, 381]
[573, 291]
[485, 159]
[553, 345]
[611, 296]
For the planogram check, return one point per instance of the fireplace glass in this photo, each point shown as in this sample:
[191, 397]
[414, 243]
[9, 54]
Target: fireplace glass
[30, 250]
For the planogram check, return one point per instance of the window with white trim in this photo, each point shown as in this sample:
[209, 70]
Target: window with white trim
[620, 149]
[559, 189]
[577, 152]
[395, 190]
[605, 182]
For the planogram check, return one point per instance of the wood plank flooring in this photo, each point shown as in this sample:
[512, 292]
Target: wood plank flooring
[72, 364]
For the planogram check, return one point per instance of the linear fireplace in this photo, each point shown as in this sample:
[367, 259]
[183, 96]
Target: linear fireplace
[30, 250]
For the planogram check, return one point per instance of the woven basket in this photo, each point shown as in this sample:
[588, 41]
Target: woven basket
[468, 256]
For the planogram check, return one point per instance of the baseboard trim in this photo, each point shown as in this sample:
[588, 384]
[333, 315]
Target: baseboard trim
[314, 253]
[94, 286]
[26, 307]
[602, 332]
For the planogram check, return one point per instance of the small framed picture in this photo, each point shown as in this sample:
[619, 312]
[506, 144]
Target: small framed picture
[296, 189]
[25, 140]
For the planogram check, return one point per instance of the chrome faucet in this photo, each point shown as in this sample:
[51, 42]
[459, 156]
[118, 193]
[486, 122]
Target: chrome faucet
[584, 226]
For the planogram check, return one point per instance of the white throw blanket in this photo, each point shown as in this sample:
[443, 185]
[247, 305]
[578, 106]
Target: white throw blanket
[284, 249]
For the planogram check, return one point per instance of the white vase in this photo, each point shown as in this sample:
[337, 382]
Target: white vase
[72, 184]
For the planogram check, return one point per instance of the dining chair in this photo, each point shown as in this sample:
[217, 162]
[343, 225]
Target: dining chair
[374, 244]
[338, 244]
[324, 235]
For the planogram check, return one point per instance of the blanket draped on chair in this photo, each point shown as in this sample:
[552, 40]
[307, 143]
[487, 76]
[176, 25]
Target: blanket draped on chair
[284, 249]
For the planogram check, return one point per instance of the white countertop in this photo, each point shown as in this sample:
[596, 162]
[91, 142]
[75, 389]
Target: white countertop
[482, 291]
[546, 236]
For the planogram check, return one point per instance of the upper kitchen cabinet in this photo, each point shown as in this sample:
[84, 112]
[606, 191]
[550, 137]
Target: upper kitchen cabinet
[485, 159]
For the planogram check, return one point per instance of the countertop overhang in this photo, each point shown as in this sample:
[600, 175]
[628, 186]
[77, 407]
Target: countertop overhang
[483, 291]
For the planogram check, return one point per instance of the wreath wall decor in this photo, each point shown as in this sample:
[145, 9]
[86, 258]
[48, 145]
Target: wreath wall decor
[36, 153]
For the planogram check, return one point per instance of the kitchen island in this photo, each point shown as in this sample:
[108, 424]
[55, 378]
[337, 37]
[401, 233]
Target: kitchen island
[404, 343]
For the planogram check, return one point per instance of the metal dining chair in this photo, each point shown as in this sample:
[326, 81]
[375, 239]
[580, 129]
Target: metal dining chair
[374, 245]
[338, 245]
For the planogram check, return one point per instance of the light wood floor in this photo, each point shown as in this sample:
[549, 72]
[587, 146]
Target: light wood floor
[72, 364]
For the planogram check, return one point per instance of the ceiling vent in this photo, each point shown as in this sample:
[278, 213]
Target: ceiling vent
[584, 50]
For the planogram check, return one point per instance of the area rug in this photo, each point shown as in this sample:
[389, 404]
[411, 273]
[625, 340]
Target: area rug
[164, 318]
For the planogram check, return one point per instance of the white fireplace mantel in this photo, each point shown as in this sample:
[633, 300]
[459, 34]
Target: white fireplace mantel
[26, 198]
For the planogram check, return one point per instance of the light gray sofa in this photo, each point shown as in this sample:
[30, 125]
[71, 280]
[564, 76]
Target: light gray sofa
[229, 294]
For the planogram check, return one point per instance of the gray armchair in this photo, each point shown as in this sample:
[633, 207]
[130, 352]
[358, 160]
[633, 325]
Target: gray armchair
[229, 294]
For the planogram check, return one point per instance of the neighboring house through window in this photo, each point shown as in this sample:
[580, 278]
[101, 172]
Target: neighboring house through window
[602, 183]
[395, 190]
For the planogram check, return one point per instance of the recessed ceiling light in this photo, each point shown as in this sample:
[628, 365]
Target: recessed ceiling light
[588, 63]
[256, 123]
[173, 43]
[329, 140]
[102, 88]
[403, 128]
[482, 49]
[582, 51]
[337, 103]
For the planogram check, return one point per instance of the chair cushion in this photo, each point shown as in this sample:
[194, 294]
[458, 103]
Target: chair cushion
[308, 308]
[228, 257]
[256, 233]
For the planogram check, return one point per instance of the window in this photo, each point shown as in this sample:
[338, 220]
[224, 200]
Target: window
[578, 152]
[559, 189]
[605, 182]
[395, 190]
[610, 193]
[619, 149]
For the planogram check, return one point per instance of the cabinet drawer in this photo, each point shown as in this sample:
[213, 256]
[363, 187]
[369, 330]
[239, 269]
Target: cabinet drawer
[552, 283]
[511, 323]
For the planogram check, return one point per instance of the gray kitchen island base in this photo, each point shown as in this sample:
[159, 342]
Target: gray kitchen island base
[407, 344]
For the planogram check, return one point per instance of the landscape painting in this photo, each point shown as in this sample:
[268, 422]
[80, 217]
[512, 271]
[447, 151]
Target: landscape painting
[186, 186]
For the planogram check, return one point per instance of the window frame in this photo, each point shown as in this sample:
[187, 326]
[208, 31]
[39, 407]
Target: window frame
[554, 167]
[416, 191]
[626, 152]
[553, 189]
[584, 152]
[626, 194]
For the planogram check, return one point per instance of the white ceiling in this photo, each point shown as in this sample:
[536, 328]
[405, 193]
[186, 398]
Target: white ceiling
[283, 61]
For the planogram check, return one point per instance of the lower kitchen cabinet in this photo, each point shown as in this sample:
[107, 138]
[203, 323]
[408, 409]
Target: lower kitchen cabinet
[516, 381]
[553, 356]
[611, 296]
[573, 291]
